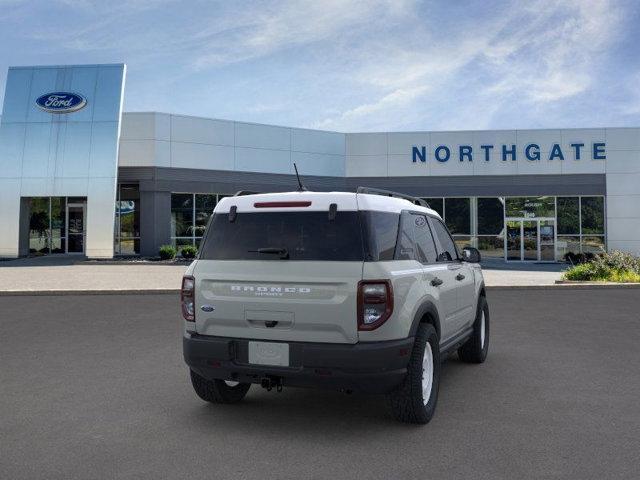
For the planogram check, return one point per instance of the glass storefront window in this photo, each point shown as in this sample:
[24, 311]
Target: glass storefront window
[181, 214]
[462, 241]
[436, 203]
[457, 214]
[129, 211]
[48, 224]
[568, 216]
[567, 244]
[490, 216]
[592, 214]
[190, 214]
[58, 217]
[491, 246]
[39, 225]
[593, 244]
[204, 207]
[127, 227]
[181, 242]
[530, 207]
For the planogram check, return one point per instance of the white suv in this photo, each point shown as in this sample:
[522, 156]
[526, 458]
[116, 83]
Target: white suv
[357, 291]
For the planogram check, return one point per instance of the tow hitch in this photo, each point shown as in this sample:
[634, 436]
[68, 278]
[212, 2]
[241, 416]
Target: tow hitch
[270, 382]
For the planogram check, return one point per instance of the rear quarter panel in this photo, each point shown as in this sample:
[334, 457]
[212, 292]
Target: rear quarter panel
[409, 293]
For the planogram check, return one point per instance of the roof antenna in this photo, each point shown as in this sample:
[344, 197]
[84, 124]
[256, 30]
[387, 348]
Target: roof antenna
[301, 187]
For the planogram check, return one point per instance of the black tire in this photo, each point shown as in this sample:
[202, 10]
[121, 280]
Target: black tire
[406, 402]
[217, 391]
[475, 350]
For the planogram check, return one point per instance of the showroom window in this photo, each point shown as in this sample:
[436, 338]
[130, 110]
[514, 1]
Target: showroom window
[190, 213]
[581, 223]
[530, 207]
[456, 213]
[568, 225]
[490, 226]
[592, 218]
[479, 221]
[49, 218]
[436, 204]
[47, 228]
[127, 220]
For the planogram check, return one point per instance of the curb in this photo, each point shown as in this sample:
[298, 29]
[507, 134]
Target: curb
[566, 286]
[179, 263]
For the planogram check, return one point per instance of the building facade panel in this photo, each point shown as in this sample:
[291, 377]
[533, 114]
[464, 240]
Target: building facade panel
[366, 165]
[366, 144]
[70, 116]
[323, 164]
[200, 155]
[202, 130]
[141, 126]
[266, 137]
[313, 141]
[144, 153]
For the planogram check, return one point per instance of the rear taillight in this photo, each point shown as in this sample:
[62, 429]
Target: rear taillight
[375, 303]
[187, 298]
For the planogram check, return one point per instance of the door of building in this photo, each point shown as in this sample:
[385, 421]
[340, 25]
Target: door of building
[76, 230]
[530, 240]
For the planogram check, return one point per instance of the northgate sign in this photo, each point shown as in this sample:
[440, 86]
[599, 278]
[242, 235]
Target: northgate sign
[531, 152]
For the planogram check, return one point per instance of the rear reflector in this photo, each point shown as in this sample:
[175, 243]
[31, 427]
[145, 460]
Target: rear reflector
[281, 204]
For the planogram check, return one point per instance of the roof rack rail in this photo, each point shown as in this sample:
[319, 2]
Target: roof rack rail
[241, 193]
[389, 193]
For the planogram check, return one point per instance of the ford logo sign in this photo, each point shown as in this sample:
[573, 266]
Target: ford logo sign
[61, 102]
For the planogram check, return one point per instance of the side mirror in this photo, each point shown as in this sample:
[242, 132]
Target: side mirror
[471, 255]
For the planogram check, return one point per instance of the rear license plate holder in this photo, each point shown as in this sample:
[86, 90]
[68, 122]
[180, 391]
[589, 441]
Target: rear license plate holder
[269, 353]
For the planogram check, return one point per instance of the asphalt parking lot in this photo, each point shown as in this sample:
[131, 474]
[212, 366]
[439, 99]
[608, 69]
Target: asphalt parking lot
[95, 387]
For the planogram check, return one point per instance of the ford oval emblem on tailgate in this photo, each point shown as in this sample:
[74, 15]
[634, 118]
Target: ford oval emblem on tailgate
[207, 308]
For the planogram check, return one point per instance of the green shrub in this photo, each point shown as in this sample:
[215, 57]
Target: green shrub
[167, 252]
[188, 251]
[617, 260]
[579, 272]
[624, 277]
[607, 267]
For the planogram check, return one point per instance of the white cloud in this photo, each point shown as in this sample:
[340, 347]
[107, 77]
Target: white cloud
[283, 25]
[534, 55]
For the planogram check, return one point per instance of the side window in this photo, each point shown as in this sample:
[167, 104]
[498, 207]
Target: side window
[425, 246]
[405, 245]
[448, 251]
[380, 234]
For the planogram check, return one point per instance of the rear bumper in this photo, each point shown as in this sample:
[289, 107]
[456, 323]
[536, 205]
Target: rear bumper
[372, 367]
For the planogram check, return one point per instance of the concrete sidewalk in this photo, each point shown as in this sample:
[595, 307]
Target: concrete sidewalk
[68, 274]
[498, 273]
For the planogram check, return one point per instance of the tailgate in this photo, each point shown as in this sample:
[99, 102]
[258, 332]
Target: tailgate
[305, 301]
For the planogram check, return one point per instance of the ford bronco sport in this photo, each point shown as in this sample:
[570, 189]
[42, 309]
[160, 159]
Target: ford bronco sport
[360, 291]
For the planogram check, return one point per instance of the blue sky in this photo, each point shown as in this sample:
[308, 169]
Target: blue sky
[349, 65]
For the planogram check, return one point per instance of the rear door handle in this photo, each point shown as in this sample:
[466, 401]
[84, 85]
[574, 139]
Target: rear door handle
[436, 282]
[460, 277]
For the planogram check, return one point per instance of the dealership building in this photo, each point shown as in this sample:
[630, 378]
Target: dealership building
[79, 176]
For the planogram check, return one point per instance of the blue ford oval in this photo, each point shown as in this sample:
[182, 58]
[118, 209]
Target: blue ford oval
[61, 102]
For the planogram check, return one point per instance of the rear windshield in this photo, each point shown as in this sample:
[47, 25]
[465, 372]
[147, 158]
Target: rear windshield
[350, 236]
[291, 235]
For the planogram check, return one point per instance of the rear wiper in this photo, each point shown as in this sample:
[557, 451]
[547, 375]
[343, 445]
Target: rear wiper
[284, 254]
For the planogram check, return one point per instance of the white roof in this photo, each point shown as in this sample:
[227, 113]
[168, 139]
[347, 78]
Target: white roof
[319, 201]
